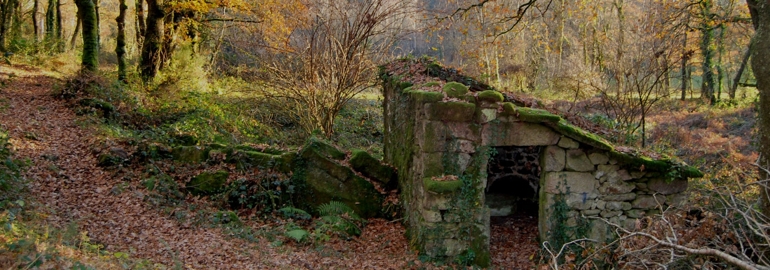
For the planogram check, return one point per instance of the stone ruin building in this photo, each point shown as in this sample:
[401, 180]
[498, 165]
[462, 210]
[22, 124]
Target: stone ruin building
[465, 152]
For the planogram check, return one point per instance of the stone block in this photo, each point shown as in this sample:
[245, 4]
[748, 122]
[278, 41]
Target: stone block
[619, 197]
[610, 213]
[580, 201]
[578, 161]
[450, 111]
[590, 213]
[462, 146]
[518, 134]
[434, 137]
[635, 213]
[598, 158]
[487, 115]
[624, 175]
[616, 187]
[454, 247]
[570, 182]
[601, 205]
[646, 202]
[664, 187]
[603, 170]
[464, 131]
[431, 216]
[568, 143]
[637, 174]
[433, 201]
[553, 159]
[433, 164]
[614, 206]
[626, 206]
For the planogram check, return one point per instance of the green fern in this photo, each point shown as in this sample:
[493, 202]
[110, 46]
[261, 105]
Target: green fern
[298, 235]
[336, 208]
[295, 213]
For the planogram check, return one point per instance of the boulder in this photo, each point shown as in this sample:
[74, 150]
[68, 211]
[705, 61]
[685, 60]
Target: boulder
[190, 154]
[370, 167]
[320, 179]
[207, 183]
[115, 156]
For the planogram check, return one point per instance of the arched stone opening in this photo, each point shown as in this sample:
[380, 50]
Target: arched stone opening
[513, 179]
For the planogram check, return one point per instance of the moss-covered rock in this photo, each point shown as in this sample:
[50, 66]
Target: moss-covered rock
[115, 156]
[509, 109]
[363, 162]
[104, 107]
[151, 151]
[670, 168]
[490, 96]
[442, 186]
[185, 139]
[325, 149]
[452, 111]
[580, 135]
[207, 183]
[536, 115]
[190, 154]
[321, 179]
[455, 89]
[425, 96]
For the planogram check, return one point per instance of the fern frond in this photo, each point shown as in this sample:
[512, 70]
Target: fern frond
[336, 208]
[295, 213]
[298, 235]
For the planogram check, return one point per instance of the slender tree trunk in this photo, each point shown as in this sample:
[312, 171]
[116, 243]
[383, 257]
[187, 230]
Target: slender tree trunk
[707, 49]
[760, 63]
[50, 21]
[7, 16]
[76, 33]
[98, 24]
[737, 79]
[36, 20]
[120, 48]
[153, 40]
[87, 14]
[59, 28]
[140, 24]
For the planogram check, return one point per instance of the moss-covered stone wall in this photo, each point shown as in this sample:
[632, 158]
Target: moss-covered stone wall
[440, 136]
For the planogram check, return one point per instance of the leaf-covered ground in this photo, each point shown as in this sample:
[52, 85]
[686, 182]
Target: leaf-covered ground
[111, 205]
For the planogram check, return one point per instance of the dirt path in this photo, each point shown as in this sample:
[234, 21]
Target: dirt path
[67, 181]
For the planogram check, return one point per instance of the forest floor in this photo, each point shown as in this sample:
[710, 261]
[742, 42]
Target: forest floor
[109, 208]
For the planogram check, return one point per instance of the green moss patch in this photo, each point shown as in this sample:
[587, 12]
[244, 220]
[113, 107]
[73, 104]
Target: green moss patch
[452, 111]
[425, 96]
[442, 187]
[207, 183]
[455, 89]
[190, 154]
[580, 135]
[325, 149]
[363, 162]
[536, 115]
[490, 96]
[671, 168]
[509, 109]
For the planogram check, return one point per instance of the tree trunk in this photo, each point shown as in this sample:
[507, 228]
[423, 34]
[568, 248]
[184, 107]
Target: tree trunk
[120, 48]
[8, 7]
[760, 63]
[98, 24]
[153, 40]
[737, 79]
[59, 28]
[87, 14]
[707, 49]
[76, 33]
[50, 21]
[140, 24]
[36, 20]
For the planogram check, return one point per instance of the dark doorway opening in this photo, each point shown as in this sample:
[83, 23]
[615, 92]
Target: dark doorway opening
[513, 180]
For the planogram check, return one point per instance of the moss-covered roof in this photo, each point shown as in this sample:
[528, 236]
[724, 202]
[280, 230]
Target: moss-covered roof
[426, 80]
